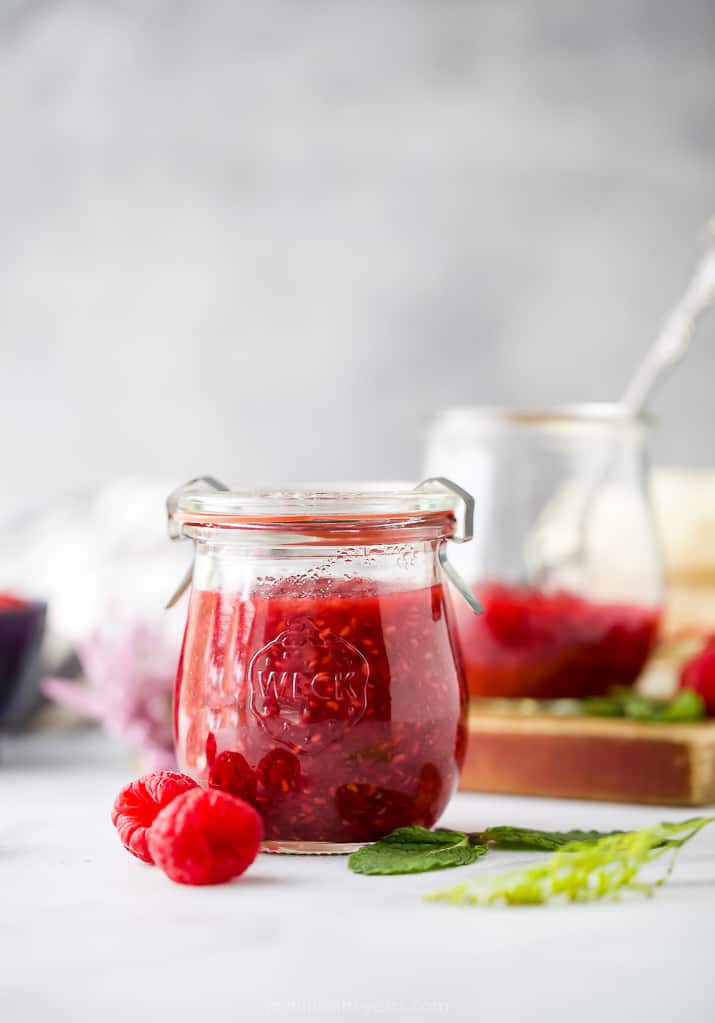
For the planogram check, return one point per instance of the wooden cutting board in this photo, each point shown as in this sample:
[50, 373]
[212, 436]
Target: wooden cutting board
[589, 758]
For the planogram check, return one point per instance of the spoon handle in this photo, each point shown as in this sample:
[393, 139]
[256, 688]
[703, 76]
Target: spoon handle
[675, 336]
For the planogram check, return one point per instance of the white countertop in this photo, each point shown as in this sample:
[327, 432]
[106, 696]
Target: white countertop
[87, 932]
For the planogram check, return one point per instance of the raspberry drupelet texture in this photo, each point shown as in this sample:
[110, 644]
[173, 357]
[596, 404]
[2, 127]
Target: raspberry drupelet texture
[205, 837]
[137, 805]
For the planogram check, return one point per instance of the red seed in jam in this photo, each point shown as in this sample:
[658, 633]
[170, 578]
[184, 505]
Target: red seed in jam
[530, 643]
[346, 705]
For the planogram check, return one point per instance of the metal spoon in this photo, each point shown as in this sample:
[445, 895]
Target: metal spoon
[677, 332]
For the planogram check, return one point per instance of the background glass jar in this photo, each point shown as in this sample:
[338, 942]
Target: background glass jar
[318, 677]
[565, 560]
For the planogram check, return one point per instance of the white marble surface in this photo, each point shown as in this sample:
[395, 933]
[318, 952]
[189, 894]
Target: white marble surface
[87, 933]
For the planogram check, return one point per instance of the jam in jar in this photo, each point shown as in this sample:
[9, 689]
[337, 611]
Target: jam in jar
[566, 562]
[530, 643]
[319, 678]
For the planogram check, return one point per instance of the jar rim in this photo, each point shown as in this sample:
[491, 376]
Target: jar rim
[607, 414]
[341, 506]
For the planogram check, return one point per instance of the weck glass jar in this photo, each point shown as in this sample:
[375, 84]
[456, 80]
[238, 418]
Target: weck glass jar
[319, 678]
[566, 561]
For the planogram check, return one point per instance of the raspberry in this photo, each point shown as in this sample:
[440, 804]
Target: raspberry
[205, 837]
[137, 805]
[230, 773]
[371, 809]
[699, 674]
[279, 771]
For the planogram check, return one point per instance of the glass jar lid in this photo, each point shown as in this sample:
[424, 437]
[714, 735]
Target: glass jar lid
[368, 513]
[374, 501]
[371, 513]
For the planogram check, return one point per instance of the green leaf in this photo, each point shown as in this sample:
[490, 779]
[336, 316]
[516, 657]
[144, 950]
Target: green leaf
[580, 871]
[687, 706]
[626, 703]
[640, 708]
[505, 837]
[415, 850]
[602, 707]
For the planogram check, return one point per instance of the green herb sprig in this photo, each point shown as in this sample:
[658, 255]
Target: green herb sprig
[581, 871]
[623, 702]
[585, 865]
[416, 850]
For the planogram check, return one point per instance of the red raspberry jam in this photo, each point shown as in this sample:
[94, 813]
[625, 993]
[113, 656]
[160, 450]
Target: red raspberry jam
[346, 704]
[529, 643]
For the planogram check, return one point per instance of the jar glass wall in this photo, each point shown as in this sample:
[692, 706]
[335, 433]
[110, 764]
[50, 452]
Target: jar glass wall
[565, 559]
[319, 677]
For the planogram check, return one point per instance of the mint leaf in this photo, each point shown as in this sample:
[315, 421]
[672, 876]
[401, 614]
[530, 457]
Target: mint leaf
[622, 702]
[687, 706]
[580, 871]
[602, 707]
[505, 837]
[414, 851]
[640, 708]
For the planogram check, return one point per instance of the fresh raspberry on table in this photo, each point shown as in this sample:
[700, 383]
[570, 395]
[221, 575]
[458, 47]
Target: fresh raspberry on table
[699, 674]
[205, 837]
[137, 805]
[231, 772]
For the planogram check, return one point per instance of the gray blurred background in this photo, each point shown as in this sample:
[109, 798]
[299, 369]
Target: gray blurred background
[265, 239]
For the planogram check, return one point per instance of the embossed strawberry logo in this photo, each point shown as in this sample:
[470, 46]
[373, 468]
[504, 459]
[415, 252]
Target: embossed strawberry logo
[307, 687]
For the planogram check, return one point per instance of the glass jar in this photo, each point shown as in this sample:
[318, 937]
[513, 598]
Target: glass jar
[318, 677]
[565, 561]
